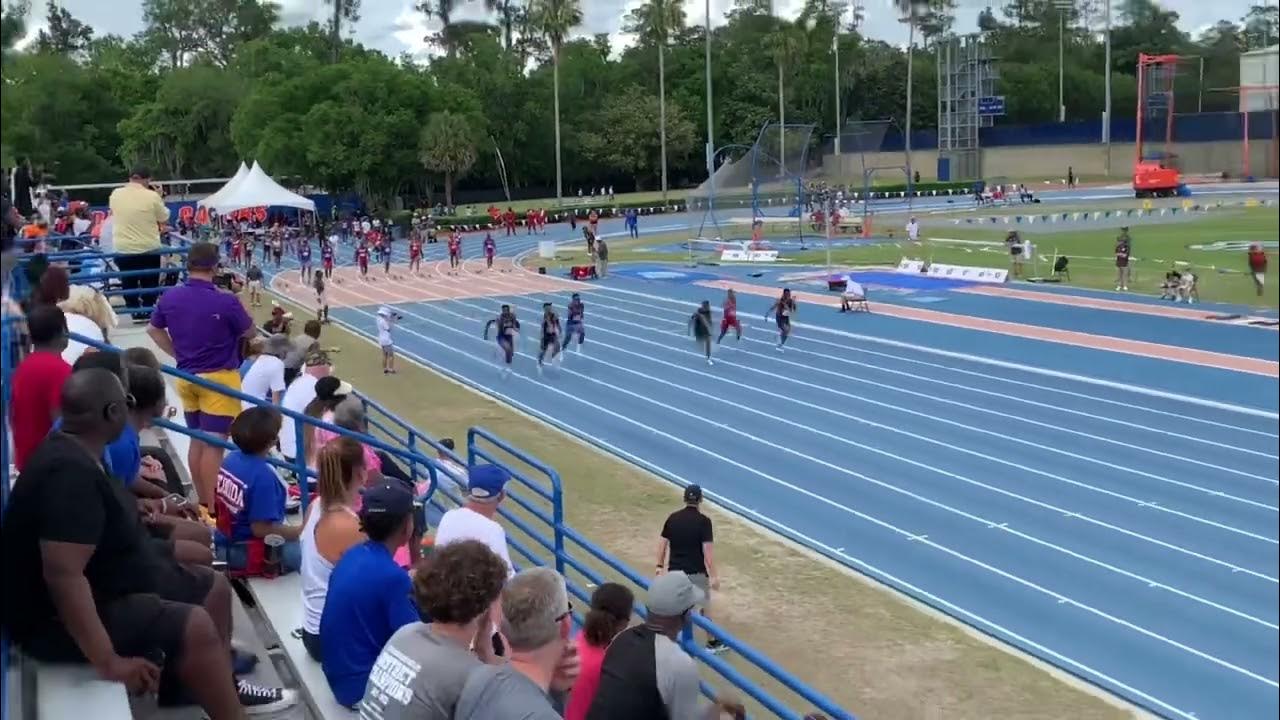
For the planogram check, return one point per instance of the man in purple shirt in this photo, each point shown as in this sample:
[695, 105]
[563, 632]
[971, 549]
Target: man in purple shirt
[201, 327]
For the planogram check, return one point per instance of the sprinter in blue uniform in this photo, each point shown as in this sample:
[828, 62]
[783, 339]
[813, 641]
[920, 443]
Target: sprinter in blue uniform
[782, 310]
[508, 326]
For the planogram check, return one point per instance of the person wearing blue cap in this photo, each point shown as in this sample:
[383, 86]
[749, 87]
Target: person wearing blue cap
[486, 485]
[369, 595]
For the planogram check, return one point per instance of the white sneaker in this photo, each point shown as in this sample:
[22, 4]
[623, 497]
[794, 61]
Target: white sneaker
[710, 362]
[779, 348]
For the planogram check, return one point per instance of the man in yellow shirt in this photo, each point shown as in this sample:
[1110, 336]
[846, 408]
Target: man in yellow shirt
[137, 212]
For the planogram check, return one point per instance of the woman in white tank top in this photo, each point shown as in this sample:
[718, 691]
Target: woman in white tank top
[331, 528]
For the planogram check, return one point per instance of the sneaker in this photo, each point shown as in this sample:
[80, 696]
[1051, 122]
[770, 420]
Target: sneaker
[258, 700]
[710, 362]
[715, 647]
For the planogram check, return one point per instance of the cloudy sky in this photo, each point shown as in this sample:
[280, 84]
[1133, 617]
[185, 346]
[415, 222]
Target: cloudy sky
[393, 26]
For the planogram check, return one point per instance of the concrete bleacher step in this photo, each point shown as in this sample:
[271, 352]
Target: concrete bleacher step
[280, 603]
[63, 692]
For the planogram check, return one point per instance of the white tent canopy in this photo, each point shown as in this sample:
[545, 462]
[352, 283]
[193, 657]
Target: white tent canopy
[257, 189]
[222, 191]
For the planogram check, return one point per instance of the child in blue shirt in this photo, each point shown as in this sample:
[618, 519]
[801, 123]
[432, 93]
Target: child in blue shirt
[250, 498]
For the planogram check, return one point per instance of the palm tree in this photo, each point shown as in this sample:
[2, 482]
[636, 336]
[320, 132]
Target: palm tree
[347, 11]
[785, 46]
[655, 21]
[555, 19]
[910, 11]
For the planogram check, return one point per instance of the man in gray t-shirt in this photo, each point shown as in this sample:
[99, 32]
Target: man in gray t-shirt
[419, 675]
[500, 692]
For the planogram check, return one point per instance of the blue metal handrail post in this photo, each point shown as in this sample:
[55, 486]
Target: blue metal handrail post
[556, 496]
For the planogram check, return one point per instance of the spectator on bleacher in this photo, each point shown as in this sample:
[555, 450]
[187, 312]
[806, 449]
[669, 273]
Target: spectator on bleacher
[262, 372]
[301, 391]
[300, 347]
[646, 674]
[137, 213]
[369, 594]
[474, 519]
[201, 326]
[420, 673]
[37, 382]
[456, 477]
[278, 324]
[80, 221]
[536, 620]
[331, 527]
[90, 315]
[610, 614]
[251, 498]
[53, 288]
[329, 392]
[96, 588]
[686, 545]
[348, 414]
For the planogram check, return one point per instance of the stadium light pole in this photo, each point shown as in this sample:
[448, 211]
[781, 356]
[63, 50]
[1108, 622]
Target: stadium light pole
[835, 47]
[1062, 6]
[710, 137]
[1106, 125]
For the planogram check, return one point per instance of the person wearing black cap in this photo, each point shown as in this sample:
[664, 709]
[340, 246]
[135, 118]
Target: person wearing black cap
[646, 674]
[137, 213]
[685, 546]
[370, 595]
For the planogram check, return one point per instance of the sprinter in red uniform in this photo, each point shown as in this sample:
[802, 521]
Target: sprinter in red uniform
[326, 258]
[415, 255]
[362, 259]
[730, 318]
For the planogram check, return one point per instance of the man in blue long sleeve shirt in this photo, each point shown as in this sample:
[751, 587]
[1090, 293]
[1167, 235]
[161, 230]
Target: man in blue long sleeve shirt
[369, 595]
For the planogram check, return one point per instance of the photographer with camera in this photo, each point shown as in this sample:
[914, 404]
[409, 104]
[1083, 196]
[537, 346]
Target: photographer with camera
[138, 213]
[387, 319]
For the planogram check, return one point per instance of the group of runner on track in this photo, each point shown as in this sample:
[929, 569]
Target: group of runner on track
[555, 339]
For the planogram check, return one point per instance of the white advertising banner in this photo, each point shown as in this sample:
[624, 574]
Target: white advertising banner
[748, 256]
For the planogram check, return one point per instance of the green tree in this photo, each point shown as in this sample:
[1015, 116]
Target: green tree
[186, 128]
[622, 136]
[654, 23]
[447, 145]
[1261, 26]
[555, 19]
[345, 12]
[174, 27]
[225, 25]
[441, 10]
[65, 34]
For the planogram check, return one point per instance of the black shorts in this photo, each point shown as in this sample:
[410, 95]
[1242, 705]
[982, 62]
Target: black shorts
[143, 625]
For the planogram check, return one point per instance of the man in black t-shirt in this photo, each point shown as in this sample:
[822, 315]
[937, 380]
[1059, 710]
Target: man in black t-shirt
[685, 545]
[96, 588]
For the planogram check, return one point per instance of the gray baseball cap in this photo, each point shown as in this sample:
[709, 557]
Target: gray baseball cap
[672, 594]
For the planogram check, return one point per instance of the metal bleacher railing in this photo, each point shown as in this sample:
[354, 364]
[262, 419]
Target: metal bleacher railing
[535, 510]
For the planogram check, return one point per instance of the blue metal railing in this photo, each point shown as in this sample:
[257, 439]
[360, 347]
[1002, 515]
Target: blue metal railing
[540, 498]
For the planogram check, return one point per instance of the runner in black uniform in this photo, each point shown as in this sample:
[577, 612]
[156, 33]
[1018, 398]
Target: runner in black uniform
[322, 299]
[782, 310]
[700, 326]
[550, 335]
[575, 324]
[508, 326]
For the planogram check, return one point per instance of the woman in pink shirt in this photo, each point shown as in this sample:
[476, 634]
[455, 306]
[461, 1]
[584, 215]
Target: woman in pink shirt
[609, 615]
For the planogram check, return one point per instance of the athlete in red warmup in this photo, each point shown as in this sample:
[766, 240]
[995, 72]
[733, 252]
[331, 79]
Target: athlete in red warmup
[415, 255]
[490, 249]
[237, 251]
[730, 319]
[455, 251]
[509, 219]
[362, 259]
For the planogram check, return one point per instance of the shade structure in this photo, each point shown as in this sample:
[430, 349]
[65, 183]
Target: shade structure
[257, 189]
[221, 192]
